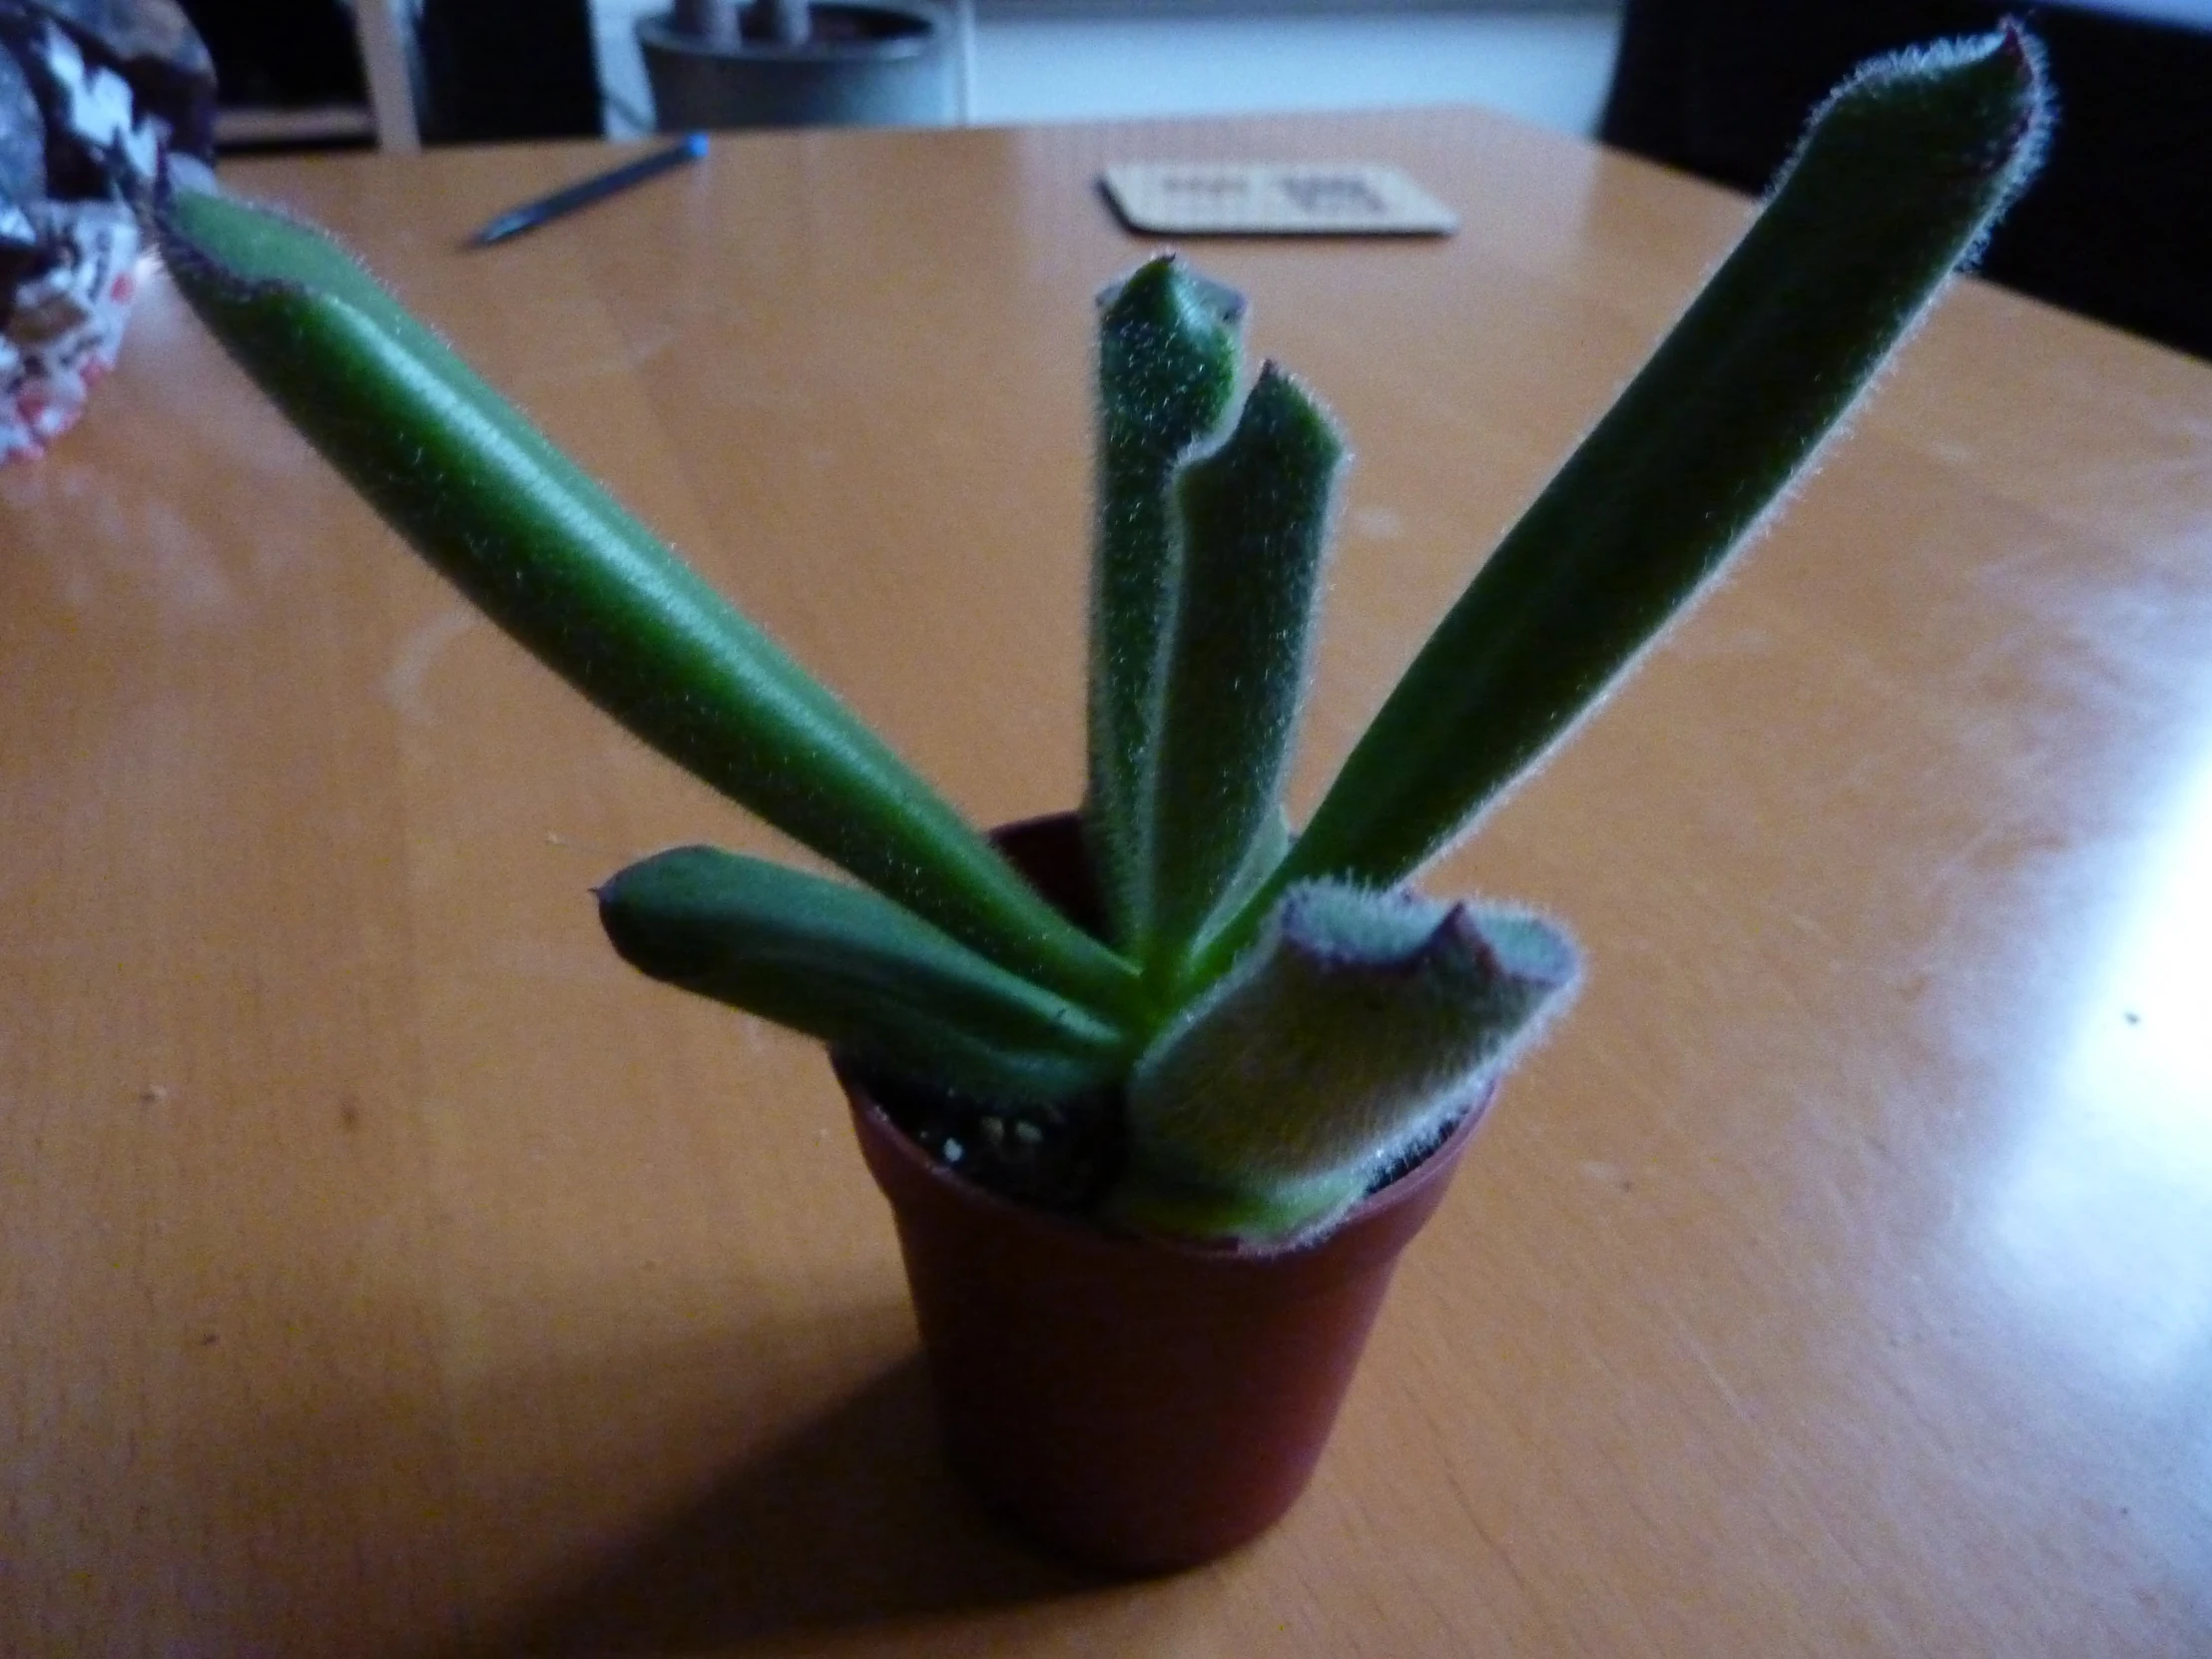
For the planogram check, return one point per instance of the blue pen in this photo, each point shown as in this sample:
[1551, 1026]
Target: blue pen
[531, 214]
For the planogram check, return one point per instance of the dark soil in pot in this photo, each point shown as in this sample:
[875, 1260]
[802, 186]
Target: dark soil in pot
[1062, 1157]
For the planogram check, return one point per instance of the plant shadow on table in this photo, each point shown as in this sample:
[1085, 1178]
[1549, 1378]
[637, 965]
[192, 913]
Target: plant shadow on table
[853, 1518]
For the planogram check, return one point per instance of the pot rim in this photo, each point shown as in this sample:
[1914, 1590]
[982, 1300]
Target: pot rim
[1365, 1215]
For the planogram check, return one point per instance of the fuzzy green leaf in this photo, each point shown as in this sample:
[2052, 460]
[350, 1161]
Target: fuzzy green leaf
[1354, 1026]
[546, 553]
[1268, 850]
[1167, 375]
[1899, 178]
[1255, 518]
[854, 969]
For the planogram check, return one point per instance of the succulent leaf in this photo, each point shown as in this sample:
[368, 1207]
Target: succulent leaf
[1358, 1022]
[1268, 850]
[1255, 516]
[1898, 178]
[1168, 351]
[853, 968]
[545, 552]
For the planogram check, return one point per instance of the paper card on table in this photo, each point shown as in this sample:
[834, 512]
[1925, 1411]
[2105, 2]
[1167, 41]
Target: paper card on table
[1332, 198]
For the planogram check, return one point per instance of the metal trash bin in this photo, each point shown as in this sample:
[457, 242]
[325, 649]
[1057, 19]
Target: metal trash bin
[865, 63]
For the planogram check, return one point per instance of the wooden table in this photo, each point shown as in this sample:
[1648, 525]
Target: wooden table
[388, 1271]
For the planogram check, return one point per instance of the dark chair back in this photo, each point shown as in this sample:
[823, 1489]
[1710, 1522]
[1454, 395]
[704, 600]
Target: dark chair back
[508, 69]
[2119, 225]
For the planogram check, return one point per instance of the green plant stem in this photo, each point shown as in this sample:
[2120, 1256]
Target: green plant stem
[540, 548]
[1255, 516]
[1168, 351]
[857, 971]
[1898, 180]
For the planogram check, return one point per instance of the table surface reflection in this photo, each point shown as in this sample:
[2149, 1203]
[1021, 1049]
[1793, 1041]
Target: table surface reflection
[389, 1272]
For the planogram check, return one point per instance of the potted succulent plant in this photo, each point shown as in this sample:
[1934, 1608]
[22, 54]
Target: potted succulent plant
[1158, 1090]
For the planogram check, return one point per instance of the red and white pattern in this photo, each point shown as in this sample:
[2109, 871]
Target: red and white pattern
[103, 145]
[67, 324]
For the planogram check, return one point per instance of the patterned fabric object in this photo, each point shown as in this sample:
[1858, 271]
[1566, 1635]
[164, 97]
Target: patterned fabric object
[96, 97]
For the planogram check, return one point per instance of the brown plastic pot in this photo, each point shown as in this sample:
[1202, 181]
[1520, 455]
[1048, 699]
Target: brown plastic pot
[1140, 1403]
